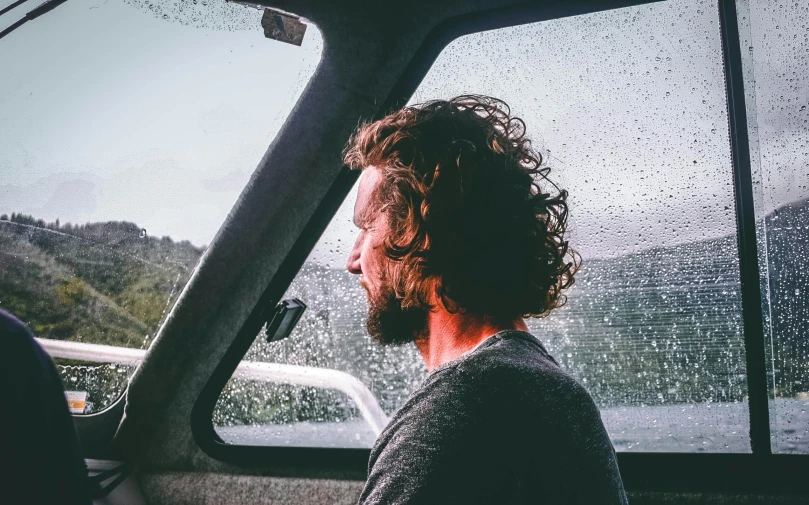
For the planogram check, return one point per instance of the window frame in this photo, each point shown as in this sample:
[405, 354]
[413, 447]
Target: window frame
[758, 471]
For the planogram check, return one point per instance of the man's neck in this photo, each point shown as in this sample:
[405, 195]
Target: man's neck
[451, 335]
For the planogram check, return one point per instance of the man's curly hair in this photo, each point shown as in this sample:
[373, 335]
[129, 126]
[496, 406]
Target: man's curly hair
[470, 217]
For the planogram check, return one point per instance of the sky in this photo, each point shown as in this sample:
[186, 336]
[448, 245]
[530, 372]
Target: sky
[637, 129]
[108, 111]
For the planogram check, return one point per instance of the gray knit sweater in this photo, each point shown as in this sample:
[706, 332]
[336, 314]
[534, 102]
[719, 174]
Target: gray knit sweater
[502, 424]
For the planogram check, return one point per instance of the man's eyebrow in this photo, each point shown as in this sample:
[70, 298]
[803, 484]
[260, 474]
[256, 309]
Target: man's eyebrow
[360, 218]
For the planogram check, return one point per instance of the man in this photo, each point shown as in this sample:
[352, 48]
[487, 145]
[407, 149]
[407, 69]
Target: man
[460, 239]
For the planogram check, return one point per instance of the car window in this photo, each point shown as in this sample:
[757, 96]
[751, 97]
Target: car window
[637, 130]
[327, 384]
[777, 88]
[128, 131]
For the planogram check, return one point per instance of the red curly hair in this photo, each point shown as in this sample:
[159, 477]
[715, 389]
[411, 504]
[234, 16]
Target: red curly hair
[470, 218]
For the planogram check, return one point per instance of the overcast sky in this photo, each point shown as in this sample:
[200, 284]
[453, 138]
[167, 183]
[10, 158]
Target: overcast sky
[636, 128]
[110, 112]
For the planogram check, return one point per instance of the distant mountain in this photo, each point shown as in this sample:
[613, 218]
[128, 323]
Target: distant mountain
[662, 325]
[106, 283]
[665, 325]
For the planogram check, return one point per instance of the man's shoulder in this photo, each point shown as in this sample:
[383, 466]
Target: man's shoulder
[512, 356]
[509, 349]
[509, 365]
[10, 325]
[505, 409]
[20, 349]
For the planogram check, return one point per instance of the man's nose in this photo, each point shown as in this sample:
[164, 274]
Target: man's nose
[353, 263]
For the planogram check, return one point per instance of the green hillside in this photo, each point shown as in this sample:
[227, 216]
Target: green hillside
[105, 283]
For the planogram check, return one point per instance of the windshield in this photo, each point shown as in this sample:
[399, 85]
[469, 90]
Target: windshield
[128, 130]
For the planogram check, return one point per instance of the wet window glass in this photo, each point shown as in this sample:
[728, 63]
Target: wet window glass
[628, 106]
[128, 131]
[327, 384]
[777, 86]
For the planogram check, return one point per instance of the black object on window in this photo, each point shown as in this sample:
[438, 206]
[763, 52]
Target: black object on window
[283, 318]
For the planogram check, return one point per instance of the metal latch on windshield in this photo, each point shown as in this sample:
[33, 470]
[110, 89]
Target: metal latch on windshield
[283, 318]
[278, 25]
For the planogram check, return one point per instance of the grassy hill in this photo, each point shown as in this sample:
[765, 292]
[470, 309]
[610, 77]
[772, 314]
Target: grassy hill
[106, 283]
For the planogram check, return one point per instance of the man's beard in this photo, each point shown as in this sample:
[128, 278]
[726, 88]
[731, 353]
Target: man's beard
[390, 324]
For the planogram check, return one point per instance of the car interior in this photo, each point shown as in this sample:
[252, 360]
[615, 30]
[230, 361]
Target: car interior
[210, 341]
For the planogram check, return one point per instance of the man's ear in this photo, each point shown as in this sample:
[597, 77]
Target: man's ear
[440, 299]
